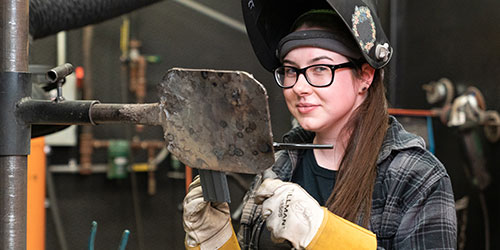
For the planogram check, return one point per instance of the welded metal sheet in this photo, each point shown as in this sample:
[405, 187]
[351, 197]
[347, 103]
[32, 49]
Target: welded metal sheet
[217, 120]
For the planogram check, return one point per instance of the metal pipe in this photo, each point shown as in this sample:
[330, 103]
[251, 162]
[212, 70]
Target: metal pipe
[14, 27]
[14, 35]
[146, 114]
[61, 47]
[56, 113]
[13, 193]
[86, 135]
[394, 27]
[87, 112]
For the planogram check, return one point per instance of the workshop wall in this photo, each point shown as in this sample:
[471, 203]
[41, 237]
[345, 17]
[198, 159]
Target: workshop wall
[433, 39]
[459, 40]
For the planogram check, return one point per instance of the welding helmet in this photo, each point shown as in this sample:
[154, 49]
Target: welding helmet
[268, 22]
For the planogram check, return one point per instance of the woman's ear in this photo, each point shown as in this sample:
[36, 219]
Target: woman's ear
[366, 74]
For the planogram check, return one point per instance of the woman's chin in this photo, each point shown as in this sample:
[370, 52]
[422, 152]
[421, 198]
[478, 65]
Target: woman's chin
[309, 126]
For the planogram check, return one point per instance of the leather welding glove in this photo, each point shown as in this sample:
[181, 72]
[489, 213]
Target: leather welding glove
[207, 224]
[292, 214]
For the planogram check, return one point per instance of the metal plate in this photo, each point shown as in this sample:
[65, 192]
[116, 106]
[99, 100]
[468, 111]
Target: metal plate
[217, 120]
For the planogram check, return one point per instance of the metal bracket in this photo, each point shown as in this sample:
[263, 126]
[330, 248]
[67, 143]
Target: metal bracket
[15, 134]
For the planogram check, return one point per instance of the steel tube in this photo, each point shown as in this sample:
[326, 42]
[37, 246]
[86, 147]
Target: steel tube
[147, 114]
[14, 28]
[55, 113]
[13, 193]
[87, 112]
[394, 27]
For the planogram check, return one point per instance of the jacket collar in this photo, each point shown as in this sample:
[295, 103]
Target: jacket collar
[397, 139]
[298, 135]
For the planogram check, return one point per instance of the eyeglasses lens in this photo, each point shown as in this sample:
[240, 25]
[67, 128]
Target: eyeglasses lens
[316, 75]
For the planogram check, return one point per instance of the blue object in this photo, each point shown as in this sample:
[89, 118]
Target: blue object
[93, 232]
[123, 242]
[430, 135]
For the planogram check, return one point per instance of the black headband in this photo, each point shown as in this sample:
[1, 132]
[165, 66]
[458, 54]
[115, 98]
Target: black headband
[320, 39]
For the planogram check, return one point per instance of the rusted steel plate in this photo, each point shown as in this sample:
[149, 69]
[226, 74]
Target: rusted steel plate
[217, 120]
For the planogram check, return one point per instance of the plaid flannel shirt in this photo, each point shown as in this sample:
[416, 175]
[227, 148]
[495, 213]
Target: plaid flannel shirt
[413, 205]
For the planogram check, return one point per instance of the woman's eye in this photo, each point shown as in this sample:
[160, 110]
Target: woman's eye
[289, 72]
[320, 69]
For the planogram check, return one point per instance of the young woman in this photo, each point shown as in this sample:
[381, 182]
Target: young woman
[377, 188]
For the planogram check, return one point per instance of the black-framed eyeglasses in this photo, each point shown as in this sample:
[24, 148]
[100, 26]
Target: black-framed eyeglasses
[317, 75]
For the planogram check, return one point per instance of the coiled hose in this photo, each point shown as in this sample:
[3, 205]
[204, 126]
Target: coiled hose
[47, 17]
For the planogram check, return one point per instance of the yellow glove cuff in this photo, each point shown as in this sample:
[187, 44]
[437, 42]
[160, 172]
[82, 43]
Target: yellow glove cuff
[341, 233]
[230, 244]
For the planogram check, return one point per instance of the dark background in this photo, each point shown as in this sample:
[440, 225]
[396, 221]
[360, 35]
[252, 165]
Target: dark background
[456, 39]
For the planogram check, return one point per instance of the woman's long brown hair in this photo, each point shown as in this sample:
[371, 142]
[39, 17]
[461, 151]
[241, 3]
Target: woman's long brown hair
[352, 195]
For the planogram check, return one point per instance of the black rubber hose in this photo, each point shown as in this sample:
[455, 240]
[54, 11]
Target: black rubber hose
[47, 17]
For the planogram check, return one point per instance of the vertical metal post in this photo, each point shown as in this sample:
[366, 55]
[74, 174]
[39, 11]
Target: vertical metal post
[13, 200]
[14, 26]
[393, 65]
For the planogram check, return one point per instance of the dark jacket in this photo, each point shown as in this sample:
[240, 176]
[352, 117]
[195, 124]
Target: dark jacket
[412, 207]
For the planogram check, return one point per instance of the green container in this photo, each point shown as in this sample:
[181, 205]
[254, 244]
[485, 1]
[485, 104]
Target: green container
[118, 159]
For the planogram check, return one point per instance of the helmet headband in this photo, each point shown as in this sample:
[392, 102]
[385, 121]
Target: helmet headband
[319, 39]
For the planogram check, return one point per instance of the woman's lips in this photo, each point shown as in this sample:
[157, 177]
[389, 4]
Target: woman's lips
[306, 107]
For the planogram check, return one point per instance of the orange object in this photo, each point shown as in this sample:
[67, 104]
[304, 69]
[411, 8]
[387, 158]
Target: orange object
[189, 177]
[80, 74]
[413, 112]
[35, 228]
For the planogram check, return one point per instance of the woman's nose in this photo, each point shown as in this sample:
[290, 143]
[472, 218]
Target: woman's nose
[302, 87]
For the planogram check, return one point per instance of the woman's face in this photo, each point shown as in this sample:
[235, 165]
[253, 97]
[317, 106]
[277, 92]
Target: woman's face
[322, 110]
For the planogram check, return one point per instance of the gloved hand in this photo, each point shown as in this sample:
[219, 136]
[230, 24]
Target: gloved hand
[206, 224]
[291, 213]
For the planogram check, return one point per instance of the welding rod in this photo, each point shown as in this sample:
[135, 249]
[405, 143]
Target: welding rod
[282, 145]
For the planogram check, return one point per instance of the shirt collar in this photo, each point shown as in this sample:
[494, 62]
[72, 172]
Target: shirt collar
[397, 139]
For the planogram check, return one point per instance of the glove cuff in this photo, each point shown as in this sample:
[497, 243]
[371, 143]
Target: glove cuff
[342, 233]
[219, 239]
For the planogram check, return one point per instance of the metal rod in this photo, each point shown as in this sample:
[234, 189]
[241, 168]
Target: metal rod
[394, 28]
[86, 134]
[123, 241]
[55, 113]
[87, 112]
[280, 146]
[14, 35]
[14, 27]
[147, 114]
[416, 112]
[93, 232]
[13, 194]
